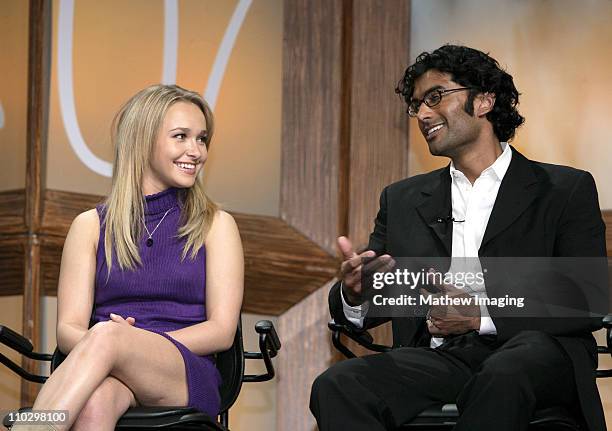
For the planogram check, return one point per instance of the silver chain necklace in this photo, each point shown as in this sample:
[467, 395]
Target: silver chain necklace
[150, 238]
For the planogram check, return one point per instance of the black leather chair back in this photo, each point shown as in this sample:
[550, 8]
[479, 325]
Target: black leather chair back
[57, 359]
[231, 367]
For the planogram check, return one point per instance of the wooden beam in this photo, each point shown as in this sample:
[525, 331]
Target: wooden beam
[62, 207]
[12, 252]
[311, 118]
[50, 259]
[12, 210]
[344, 147]
[379, 124]
[344, 138]
[38, 77]
[282, 266]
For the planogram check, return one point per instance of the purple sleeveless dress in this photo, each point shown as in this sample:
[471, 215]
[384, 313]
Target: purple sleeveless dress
[164, 294]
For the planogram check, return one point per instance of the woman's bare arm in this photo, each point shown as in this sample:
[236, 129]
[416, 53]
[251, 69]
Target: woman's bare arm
[224, 289]
[76, 280]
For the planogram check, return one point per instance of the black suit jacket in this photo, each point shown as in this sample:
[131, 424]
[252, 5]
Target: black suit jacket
[541, 210]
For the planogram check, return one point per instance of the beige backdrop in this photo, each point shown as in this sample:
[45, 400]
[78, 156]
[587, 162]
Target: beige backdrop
[117, 54]
[13, 92]
[559, 54]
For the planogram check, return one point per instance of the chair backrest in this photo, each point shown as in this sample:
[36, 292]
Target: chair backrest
[231, 367]
[57, 359]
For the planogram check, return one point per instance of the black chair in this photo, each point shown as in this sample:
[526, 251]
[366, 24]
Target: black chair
[231, 366]
[444, 416]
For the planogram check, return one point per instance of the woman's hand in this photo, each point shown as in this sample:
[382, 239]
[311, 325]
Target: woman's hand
[118, 319]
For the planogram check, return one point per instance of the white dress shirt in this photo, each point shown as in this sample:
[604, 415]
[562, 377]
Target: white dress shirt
[472, 203]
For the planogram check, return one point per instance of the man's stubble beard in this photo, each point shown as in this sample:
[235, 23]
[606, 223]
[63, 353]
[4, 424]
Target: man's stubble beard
[451, 144]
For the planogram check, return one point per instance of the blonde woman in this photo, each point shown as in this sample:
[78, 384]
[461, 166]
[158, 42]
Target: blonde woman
[160, 266]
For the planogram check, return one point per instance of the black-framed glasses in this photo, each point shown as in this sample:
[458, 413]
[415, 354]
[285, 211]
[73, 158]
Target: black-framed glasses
[431, 99]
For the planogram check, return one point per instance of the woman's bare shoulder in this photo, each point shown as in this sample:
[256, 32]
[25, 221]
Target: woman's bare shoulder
[87, 226]
[223, 225]
[223, 217]
[87, 219]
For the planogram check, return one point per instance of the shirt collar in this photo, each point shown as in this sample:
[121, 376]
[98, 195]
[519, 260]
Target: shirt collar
[498, 168]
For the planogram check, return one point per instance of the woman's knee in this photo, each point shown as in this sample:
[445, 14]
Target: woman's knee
[104, 337]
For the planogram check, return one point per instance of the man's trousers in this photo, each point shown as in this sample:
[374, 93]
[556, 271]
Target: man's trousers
[495, 386]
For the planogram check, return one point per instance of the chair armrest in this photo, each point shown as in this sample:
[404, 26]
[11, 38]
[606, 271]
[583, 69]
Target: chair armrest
[266, 331]
[15, 341]
[361, 337]
[269, 345]
[22, 345]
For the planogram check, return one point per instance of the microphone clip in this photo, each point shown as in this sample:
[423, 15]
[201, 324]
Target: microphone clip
[448, 219]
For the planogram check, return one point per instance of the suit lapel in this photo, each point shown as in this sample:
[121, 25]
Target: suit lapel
[436, 206]
[516, 192]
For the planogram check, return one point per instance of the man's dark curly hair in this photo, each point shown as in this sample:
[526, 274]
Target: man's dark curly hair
[471, 68]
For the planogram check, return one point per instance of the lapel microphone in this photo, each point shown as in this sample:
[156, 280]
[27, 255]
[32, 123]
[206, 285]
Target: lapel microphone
[448, 219]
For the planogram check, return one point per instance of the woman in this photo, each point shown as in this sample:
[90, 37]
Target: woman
[159, 264]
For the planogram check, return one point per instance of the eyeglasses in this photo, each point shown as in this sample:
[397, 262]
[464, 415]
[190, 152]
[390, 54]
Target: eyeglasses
[431, 99]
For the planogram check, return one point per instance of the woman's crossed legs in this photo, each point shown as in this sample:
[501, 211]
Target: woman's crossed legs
[114, 366]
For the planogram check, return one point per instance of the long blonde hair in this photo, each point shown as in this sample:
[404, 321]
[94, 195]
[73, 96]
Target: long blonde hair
[134, 131]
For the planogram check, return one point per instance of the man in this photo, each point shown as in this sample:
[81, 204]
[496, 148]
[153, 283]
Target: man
[489, 202]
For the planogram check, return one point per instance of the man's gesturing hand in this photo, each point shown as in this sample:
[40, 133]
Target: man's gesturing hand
[355, 266]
